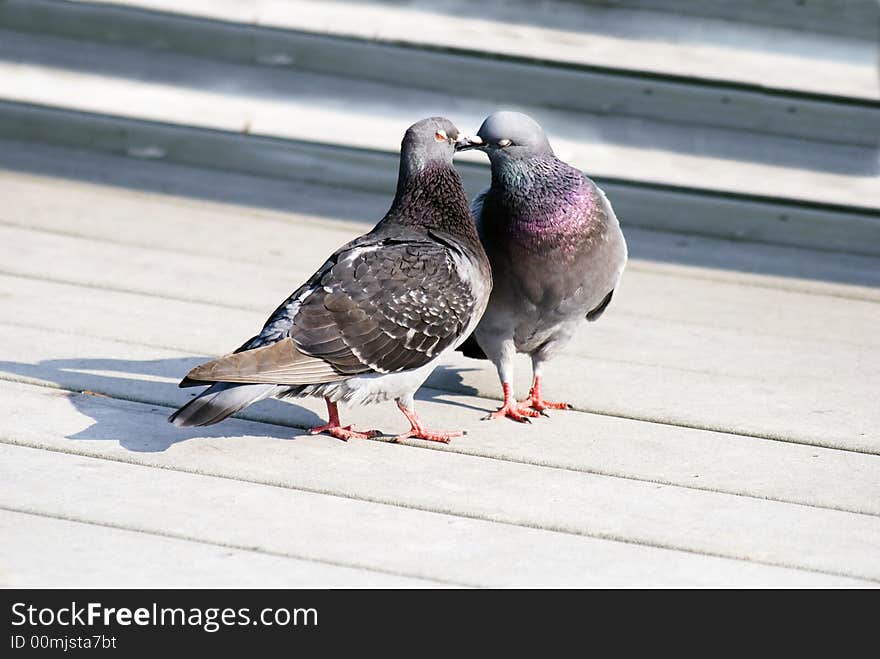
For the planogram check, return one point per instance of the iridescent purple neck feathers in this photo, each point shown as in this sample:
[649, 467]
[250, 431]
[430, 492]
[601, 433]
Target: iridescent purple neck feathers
[541, 205]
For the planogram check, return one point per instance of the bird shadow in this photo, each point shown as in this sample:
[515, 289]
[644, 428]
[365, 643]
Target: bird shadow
[445, 380]
[128, 401]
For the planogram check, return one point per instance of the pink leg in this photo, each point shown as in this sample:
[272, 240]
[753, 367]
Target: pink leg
[418, 431]
[333, 428]
[536, 402]
[511, 409]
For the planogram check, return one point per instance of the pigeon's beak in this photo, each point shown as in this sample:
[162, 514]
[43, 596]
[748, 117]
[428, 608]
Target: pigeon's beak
[465, 142]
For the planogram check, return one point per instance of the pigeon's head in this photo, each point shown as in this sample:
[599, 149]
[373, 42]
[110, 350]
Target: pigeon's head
[509, 135]
[430, 140]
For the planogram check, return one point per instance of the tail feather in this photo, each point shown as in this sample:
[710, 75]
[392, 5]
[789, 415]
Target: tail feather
[219, 401]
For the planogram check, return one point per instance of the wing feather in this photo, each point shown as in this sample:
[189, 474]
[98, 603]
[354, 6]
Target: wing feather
[277, 363]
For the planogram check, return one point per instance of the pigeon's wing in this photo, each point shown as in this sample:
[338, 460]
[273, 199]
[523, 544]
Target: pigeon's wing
[596, 312]
[373, 307]
[477, 208]
[470, 347]
[605, 217]
[495, 251]
[267, 357]
[388, 307]
[280, 362]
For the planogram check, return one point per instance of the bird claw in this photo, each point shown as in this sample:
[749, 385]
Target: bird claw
[512, 411]
[540, 405]
[442, 436]
[343, 432]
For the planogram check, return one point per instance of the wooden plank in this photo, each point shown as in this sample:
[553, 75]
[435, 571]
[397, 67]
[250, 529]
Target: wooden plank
[47, 552]
[202, 191]
[347, 532]
[852, 18]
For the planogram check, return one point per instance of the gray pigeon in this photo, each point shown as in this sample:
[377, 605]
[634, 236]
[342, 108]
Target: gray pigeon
[369, 325]
[556, 249]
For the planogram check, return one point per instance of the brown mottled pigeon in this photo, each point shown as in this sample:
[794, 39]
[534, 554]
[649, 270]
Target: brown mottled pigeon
[369, 325]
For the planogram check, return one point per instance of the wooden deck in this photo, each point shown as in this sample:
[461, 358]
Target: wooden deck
[726, 422]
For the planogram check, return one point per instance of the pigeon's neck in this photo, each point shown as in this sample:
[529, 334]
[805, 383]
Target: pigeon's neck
[540, 204]
[432, 197]
[523, 174]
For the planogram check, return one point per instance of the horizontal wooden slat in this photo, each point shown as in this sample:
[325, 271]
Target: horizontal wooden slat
[856, 18]
[38, 552]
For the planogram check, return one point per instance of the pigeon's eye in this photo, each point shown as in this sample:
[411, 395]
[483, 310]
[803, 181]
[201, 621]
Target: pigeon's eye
[505, 142]
[440, 135]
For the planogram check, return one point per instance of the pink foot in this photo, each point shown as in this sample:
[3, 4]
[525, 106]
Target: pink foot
[431, 435]
[511, 409]
[537, 403]
[333, 428]
[343, 432]
[418, 431]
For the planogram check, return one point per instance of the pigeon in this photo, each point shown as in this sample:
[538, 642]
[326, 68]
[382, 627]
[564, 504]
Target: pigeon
[556, 249]
[371, 323]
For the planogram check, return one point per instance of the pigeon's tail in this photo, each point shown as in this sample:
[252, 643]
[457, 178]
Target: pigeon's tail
[219, 401]
[470, 348]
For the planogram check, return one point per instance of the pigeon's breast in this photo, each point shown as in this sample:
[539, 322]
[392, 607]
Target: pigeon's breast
[555, 255]
[542, 222]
